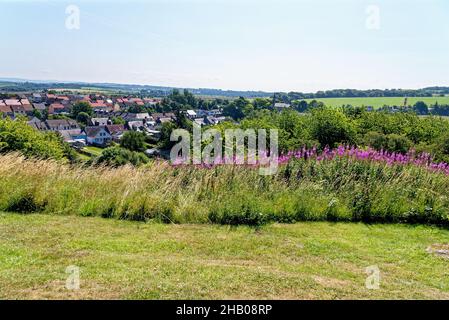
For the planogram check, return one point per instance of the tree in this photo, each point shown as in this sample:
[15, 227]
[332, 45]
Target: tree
[81, 106]
[19, 136]
[36, 113]
[118, 120]
[421, 108]
[166, 130]
[83, 118]
[331, 127]
[133, 141]
[376, 140]
[301, 106]
[236, 109]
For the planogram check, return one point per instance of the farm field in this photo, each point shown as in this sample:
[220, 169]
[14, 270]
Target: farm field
[124, 260]
[380, 102]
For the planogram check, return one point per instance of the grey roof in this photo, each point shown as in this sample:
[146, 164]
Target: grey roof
[93, 131]
[39, 106]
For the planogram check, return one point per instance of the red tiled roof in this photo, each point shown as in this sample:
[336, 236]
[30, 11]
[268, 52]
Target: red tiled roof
[98, 105]
[115, 128]
[12, 102]
[5, 109]
[54, 106]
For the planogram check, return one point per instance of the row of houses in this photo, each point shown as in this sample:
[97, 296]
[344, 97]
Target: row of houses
[99, 135]
[206, 117]
[62, 104]
[102, 131]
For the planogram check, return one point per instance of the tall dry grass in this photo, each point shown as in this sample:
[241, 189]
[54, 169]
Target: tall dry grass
[337, 190]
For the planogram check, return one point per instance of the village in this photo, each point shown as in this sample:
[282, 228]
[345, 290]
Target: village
[111, 116]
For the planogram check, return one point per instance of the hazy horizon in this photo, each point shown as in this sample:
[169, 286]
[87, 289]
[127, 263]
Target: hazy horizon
[302, 46]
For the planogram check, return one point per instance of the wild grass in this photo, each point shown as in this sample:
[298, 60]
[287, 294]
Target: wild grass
[341, 189]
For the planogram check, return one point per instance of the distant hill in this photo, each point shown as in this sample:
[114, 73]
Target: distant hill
[23, 85]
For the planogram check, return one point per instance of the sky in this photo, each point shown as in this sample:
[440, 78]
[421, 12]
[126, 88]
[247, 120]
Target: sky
[270, 45]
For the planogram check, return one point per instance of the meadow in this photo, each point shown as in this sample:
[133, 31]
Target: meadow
[133, 260]
[347, 185]
[381, 101]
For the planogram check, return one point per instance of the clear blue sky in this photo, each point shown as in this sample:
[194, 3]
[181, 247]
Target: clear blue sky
[277, 45]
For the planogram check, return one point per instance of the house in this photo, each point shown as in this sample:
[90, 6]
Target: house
[99, 121]
[206, 121]
[73, 136]
[152, 101]
[61, 124]
[211, 113]
[40, 107]
[63, 99]
[191, 114]
[57, 108]
[281, 106]
[101, 106]
[18, 110]
[97, 135]
[50, 98]
[137, 101]
[136, 125]
[116, 131]
[12, 102]
[27, 106]
[141, 116]
[37, 98]
[5, 109]
[37, 124]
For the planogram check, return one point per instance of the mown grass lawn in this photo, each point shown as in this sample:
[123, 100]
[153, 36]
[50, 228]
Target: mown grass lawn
[123, 260]
[94, 151]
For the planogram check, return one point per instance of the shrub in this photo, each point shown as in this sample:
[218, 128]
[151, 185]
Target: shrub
[25, 203]
[116, 156]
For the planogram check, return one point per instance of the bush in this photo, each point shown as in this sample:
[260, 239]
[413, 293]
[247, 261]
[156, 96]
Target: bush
[391, 142]
[25, 203]
[116, 156]
[17, 135]
[133, 141]
[331, 127]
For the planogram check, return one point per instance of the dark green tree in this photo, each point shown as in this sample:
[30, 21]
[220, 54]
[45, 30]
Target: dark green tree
[81, 106]
[133, 141]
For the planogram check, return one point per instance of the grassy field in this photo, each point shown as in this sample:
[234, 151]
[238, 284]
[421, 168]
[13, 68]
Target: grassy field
[380, 102]
[94, 151]
[334, 190]
[123, 260]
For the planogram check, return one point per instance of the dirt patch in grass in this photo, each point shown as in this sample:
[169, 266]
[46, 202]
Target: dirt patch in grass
[331, 282]
[56, 290]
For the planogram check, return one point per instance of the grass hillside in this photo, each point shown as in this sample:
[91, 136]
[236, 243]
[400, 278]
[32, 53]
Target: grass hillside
[123, 260]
